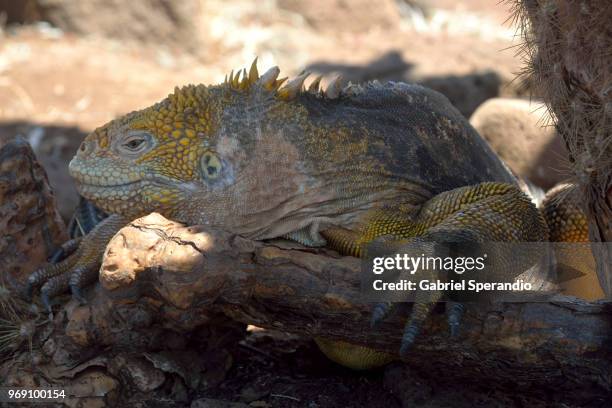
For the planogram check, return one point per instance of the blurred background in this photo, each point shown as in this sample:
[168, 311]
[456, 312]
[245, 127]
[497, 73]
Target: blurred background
[68, 66]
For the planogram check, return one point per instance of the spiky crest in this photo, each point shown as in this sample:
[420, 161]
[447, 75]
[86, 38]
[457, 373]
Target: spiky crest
[244, 81]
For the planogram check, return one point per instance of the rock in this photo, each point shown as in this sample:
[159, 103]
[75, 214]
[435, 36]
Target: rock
[466, 92]
[92, 389]
[78, 319]
[187, 364]
[144, 376]
[30, 223]
[150, 21]
[521, 133]
[18, 11]
[259, 404]
[54, 147]
[66, 353]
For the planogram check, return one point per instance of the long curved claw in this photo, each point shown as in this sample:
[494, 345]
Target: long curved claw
[77, 294]
[73, 228]
[52, 288]
[81, 277]
[65, 250]
[58, 255]
[420, 312]
[454, 313]
[379, 312]
[44, 274]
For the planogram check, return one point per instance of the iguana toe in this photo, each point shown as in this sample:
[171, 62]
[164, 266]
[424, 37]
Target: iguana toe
[80, 278]
[77, 294]
[43, 275]
[65, 250]
[77, 270]
[420, 312]
[379, 312]
[53, 287]
[454, 313]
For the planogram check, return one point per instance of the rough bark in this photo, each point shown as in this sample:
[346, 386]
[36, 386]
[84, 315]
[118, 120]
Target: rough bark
[183, 274]
[567, 52]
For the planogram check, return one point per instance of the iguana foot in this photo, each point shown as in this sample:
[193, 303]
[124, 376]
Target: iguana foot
[79, 269]
[461, 221]
[420, 311]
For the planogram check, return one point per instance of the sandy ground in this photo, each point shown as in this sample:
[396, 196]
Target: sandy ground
[48, 76]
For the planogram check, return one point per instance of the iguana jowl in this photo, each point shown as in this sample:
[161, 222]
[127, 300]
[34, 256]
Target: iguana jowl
[337, 168]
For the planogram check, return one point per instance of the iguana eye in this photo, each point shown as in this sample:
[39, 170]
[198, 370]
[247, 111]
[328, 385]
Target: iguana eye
[210, 166]
[135, 143]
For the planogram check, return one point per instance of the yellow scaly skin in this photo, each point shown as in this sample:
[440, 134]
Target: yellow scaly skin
[568, 224]
[336, 168]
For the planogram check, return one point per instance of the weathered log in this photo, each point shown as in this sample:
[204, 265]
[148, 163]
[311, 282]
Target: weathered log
[186, 273]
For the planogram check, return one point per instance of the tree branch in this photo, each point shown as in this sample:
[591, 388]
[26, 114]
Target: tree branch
[193, 271]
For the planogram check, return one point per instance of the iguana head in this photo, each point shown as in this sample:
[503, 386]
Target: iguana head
[150, 159]
[200, 154]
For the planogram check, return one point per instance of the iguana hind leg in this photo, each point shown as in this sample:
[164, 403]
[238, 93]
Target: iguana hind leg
[486, 212]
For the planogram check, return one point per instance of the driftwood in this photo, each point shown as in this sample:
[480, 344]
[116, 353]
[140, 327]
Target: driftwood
[179, 276]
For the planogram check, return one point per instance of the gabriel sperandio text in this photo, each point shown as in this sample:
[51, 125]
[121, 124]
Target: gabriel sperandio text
[461, 285]
[459, 265]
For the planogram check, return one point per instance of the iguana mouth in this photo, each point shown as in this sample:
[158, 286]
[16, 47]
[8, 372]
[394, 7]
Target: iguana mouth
[99, 185]
[133, 190]
[115, 190]
[89, 181]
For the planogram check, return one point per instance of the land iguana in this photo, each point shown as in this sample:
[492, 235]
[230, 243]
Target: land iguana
[334, 168]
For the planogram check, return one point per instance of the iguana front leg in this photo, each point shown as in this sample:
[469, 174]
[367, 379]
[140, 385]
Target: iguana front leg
[84, 219]
[80, 268]
[487, 212]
